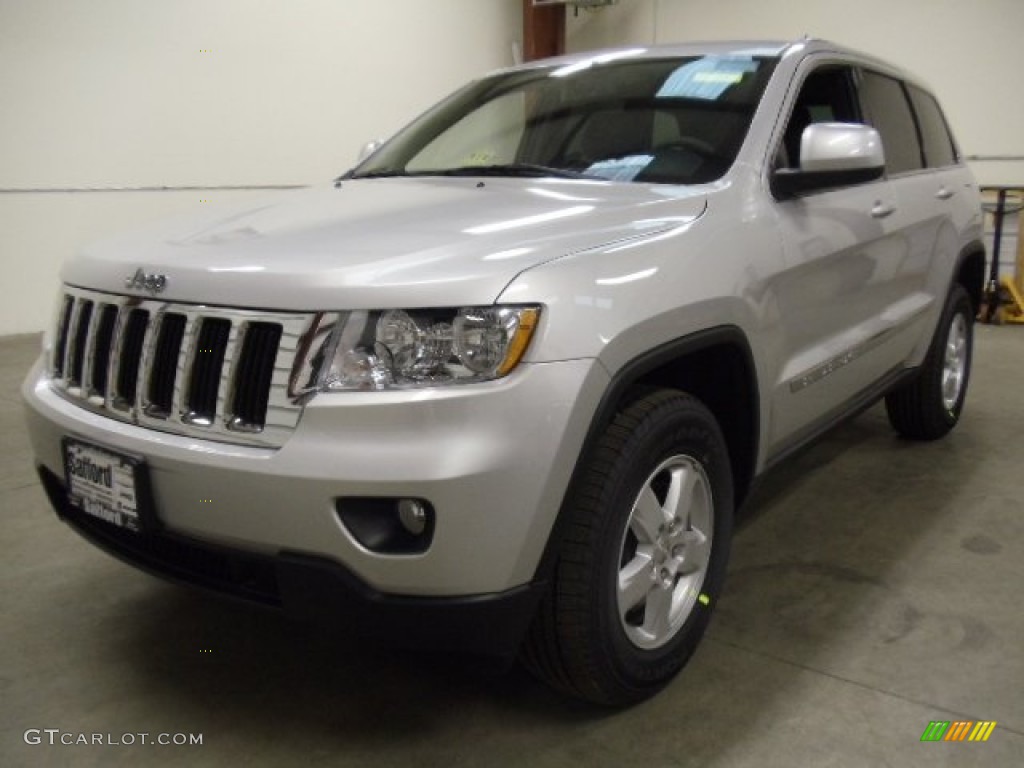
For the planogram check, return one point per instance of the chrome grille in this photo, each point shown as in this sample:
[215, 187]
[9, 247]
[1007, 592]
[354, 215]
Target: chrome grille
[210, 372]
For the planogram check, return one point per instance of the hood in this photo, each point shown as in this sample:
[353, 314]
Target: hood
[378, 243]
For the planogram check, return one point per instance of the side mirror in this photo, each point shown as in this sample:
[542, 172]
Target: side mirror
[832, 155]
[368, 149]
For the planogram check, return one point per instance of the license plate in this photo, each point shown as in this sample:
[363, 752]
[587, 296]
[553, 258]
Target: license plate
[103, 483]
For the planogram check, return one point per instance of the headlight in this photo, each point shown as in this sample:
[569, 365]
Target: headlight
[407, 349]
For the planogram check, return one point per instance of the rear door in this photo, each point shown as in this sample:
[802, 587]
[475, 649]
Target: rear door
[923, 196]
[947, 191]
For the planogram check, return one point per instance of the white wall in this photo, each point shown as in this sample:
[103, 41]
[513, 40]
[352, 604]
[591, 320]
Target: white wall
[175, 93]
[971, 53]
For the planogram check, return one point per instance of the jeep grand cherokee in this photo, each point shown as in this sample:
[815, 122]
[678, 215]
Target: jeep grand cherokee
[502, 385]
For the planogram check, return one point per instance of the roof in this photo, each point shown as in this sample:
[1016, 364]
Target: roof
[777, 48]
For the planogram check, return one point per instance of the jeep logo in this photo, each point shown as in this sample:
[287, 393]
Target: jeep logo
[140, 281]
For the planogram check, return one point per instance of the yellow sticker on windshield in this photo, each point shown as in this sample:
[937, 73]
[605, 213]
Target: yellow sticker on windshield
[480, 157]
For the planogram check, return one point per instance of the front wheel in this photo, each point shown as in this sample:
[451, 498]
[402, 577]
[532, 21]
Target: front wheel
[929, 405]
[642, 554]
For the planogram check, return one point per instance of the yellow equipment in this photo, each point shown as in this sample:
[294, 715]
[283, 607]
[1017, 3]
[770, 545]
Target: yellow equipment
[1011, 303]
[1004, 296]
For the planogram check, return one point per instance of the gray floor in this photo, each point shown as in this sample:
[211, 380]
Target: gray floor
[874, 586]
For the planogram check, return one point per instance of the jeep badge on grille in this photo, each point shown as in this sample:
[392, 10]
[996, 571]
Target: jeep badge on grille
[140, 281]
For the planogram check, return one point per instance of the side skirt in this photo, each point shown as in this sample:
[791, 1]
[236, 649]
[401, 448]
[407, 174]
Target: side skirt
[837, 416]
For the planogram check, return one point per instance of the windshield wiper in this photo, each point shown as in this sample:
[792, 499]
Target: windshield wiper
[380, 173]
[529, 170]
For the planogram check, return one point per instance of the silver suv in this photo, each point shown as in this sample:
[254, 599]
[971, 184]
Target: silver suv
[501, 386]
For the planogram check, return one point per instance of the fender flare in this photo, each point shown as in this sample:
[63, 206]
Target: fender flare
[621, 382]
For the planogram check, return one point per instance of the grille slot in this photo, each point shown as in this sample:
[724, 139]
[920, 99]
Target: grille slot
[131, 357]
[63, 327]
[164, 366]
[253, 376]
[101, 349]
[210, 372]
[208, 361]
[80, 340]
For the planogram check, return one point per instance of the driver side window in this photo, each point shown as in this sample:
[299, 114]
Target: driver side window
[826, 96]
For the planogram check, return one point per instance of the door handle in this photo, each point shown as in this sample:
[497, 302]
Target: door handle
[881, 210]
[945, 193]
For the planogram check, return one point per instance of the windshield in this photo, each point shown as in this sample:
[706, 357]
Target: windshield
[675, 121]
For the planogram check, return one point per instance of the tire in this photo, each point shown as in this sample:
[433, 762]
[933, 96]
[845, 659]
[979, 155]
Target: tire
[929, 406]
[647, 528]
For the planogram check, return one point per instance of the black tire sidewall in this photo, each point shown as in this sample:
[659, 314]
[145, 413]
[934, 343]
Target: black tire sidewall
[916, 409]
[957, 303]
[680, 426]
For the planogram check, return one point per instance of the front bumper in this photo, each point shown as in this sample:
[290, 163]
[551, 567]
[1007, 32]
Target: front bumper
[493, 459]
[316, 589]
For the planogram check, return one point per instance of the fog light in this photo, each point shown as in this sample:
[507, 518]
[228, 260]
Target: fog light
[413, 516]
[388, 526]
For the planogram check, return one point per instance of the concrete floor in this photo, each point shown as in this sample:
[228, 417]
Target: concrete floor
[875, 586]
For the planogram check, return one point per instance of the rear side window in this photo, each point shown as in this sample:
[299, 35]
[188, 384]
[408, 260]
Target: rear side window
[887, 109]
[939, 149]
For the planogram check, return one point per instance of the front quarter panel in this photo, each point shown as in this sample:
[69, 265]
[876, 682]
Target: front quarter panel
[619, 301]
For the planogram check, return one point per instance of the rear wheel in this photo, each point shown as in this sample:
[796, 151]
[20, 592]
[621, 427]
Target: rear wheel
[642, 554]
[929, 406]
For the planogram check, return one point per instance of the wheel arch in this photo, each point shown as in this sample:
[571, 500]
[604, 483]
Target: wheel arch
[970, 272]
[716, 366]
